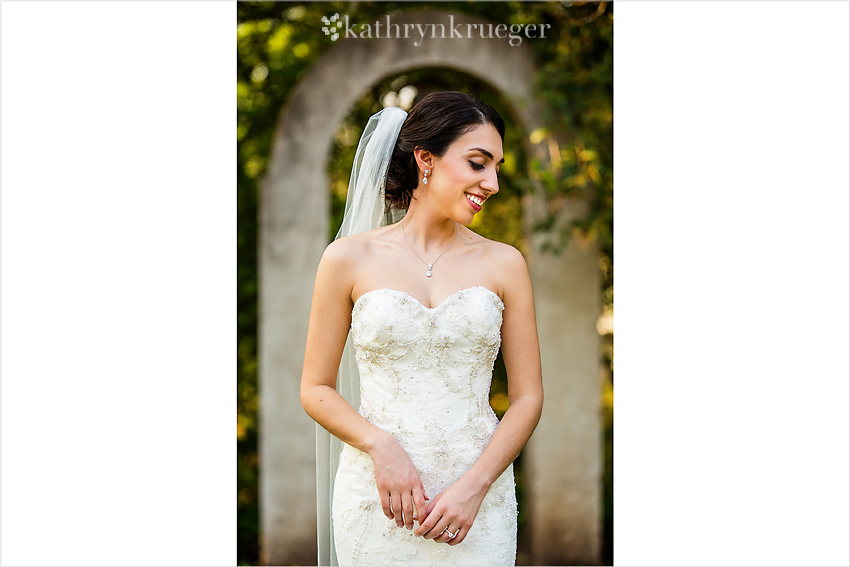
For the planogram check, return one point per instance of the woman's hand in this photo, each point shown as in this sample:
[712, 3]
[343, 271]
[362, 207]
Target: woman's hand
[403, 497]
[452, 510]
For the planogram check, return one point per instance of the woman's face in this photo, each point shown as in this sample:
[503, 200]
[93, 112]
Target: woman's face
[467, 175]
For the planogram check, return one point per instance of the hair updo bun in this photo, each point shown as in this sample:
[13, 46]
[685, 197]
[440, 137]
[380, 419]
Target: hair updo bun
[433, 124]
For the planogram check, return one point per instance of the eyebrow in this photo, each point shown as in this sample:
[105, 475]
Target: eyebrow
[485, 152]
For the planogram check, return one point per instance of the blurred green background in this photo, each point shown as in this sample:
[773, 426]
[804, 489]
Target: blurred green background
[278, 41]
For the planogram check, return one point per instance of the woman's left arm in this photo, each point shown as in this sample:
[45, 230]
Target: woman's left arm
[457, 506]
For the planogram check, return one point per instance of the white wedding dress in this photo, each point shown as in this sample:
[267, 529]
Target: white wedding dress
[425, 377]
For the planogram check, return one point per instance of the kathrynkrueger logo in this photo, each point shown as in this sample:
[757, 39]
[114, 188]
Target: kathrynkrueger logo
[331, 29]
[513, 33]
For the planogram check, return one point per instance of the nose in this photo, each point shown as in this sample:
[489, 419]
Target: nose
[491, 182]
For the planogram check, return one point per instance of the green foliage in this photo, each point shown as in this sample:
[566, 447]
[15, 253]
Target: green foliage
[278, 41]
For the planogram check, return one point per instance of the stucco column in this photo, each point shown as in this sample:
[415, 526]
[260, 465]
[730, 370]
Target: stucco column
[563, 458]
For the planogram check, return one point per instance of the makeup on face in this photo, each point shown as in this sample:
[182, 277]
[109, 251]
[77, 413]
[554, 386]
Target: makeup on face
[477, 200]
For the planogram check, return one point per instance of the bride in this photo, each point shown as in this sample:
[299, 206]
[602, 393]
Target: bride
[409, 310]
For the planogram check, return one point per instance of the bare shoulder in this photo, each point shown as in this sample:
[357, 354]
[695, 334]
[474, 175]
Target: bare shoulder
[506, 255]
[339, 261]
[512, 275]
[513, 285]
[502, 256]
[505, 264]
[344, 258]
[340, 250]
[349, 248]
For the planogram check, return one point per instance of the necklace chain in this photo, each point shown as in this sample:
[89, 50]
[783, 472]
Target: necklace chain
[428, 273]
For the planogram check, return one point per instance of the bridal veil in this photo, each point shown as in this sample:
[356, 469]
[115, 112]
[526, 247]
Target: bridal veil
[366, 208]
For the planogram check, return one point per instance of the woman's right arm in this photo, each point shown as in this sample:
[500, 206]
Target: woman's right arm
[330, 318]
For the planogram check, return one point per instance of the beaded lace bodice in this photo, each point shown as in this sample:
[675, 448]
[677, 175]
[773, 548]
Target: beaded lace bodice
[425, 377]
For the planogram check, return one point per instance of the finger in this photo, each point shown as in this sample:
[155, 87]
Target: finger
[385, 504]
[427, 526]
[438, 528]
[429, 509]
[444, 536]
[459, 535]
[421, 505]
[407, 508]
[432, 504]
[395, 504]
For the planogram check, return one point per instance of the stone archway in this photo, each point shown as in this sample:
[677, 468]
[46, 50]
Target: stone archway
[563, 458]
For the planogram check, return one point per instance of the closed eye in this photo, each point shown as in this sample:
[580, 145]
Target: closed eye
[479, 167]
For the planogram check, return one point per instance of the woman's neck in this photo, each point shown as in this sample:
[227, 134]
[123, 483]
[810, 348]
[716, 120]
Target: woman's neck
[428, 232]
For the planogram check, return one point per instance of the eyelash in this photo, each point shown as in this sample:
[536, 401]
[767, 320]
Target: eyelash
[479, 167]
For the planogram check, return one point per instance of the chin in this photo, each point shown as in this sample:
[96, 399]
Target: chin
[466, 220]
[464, 216]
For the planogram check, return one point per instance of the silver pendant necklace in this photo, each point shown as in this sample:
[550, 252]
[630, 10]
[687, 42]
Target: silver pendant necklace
[428, 273]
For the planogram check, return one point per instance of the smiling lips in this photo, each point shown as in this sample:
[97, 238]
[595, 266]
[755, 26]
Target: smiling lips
[475, 201]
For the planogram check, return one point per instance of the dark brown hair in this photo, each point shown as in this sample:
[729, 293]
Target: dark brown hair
[433, 124]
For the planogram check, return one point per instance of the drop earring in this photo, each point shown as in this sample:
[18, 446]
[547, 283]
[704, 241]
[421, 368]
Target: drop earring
[425, 178]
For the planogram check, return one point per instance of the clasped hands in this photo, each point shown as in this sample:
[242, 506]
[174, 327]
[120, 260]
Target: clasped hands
[404, 500]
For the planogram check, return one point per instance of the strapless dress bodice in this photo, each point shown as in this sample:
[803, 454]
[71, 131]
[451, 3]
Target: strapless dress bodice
[425, 378]
[425, 372]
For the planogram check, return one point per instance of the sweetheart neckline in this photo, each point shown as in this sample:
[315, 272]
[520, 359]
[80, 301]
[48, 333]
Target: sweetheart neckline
[493, 293]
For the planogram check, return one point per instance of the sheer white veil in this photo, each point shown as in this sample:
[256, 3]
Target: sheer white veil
[365, 208]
